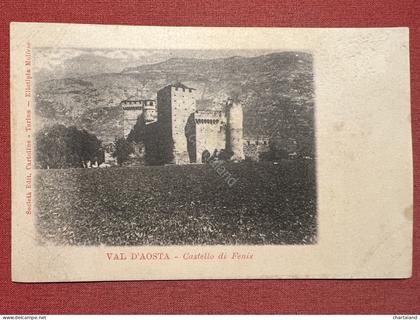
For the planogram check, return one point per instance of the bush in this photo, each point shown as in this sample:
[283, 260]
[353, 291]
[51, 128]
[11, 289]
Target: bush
[274, 154]
[122, 150]
[59, 147]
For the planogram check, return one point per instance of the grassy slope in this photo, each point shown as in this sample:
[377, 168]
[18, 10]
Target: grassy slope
[175, 205]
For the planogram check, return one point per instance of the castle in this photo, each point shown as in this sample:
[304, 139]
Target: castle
[133, 108]
[182, 129]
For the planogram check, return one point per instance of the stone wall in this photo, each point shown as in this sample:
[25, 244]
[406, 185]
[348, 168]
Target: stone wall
[210, 132]
[183, 105]
[131, 113]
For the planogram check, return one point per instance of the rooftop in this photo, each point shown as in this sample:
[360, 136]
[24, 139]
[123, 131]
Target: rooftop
[181, 85]
[177, 85]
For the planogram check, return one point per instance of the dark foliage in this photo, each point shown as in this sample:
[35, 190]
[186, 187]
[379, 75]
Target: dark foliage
[122, 150]
[275, 153]
[137, 134]
[158, 144]
[205, 156]
[59, 147]
[225, 154]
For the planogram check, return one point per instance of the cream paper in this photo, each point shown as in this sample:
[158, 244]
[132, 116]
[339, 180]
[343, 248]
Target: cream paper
[363, 159]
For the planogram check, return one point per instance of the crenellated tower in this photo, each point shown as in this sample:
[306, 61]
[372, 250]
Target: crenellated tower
[176, 103]
[133, 107]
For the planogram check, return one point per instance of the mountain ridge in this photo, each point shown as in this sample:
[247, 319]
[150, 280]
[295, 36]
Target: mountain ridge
[276, 91]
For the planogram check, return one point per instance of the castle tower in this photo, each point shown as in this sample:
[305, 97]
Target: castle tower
[210, 132]
[149, 111]
[235, 141]
[176, 103]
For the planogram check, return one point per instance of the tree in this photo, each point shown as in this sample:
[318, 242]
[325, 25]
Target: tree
[51, 149]
[275, 153]
[159, 145]
[122, 150]
[137, 134]
[59, 147]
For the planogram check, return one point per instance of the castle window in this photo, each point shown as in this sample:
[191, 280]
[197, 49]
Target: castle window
[256, 142]
[248, 142]
[265, 143]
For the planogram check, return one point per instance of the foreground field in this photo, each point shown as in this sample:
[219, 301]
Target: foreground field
[176, 205]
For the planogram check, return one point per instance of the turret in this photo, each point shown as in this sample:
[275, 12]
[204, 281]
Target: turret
[149, 111]
[235, 141]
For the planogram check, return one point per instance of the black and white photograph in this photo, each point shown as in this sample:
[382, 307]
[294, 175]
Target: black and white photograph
[174, 147]
[169, 153]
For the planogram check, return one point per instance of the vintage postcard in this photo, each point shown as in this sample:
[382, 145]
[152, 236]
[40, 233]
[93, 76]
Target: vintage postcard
[209, 153]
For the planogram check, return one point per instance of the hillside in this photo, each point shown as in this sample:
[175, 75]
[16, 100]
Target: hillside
[276, 91]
